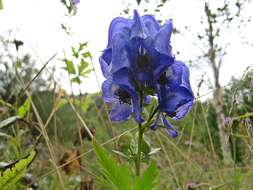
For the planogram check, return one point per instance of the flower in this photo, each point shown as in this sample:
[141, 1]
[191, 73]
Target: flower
[175, 95]
[141, 48]
[75, 2]
[139, 45]
[138, 63]
[119, 91]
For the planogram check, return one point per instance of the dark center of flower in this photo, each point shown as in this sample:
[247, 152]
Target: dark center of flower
[163, 79]
[124, 96]
[143, 61]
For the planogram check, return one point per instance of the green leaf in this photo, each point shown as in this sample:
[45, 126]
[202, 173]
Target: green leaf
[119, 176]
[87, 55]
[85, 73]
[70, 66]
[76, 80]
[9, 121]
[22, 110]
[11, 173]
[74, 52]
[82, 66]
[148, 180]
[1, 4]
[81, 46]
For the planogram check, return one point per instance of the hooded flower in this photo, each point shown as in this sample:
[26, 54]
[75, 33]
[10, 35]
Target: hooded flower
[119, 91]
[139, 45]
[137, 63]
[175, 95]
[138, 52]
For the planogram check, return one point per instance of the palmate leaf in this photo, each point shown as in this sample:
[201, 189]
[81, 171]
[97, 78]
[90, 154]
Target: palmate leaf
[70, 68]
[148, 180]
[11, 173]
[76, 80]
[74, 52]
[118, 176]
[82, 46]
[87, 55]
[83, 68]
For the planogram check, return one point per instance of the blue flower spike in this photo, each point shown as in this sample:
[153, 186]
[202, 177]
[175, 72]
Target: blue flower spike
[138, 63]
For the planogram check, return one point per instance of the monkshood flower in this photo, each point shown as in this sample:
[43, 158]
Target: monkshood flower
[138, 63]
[175, 95]
[138, 52]
[141, 46]
[119, 91]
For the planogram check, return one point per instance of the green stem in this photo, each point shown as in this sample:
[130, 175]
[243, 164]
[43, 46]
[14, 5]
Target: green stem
[138, 156]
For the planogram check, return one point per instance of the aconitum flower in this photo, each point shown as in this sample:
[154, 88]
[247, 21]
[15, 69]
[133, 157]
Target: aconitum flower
[138, 63]
[175, 95]
[141, 48]
[119, 91]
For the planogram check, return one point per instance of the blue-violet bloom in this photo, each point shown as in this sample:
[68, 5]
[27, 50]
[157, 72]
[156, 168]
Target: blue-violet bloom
[138, 63]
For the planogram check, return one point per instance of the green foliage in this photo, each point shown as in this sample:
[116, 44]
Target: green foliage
[24, 109]
[70, 68]
[11, 173]
[78, 66]
[120, 176]
[148, 180]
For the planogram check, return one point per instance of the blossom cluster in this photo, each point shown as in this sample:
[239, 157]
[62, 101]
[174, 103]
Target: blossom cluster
[138, 63]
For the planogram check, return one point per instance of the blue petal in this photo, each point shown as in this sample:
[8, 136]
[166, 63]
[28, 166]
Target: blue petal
[154, 125]
[119, 25]
[165, 62]
[183, 110]
[179, 75]
[137, 109]
[160, 61]
[162, 39]
[138, 28]
[147, 99]
[105, 60]
[169, 128]
[124, 78]
[172, 100]
[152, 26]
[176, 97]
[108, 89]
[120, 53]
[120, 112]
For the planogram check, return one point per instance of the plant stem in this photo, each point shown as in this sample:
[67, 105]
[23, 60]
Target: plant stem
[138, 156]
